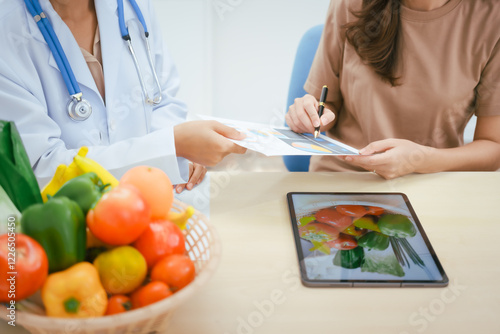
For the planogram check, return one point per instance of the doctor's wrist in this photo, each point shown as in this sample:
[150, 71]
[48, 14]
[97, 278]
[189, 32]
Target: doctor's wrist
[180, 140]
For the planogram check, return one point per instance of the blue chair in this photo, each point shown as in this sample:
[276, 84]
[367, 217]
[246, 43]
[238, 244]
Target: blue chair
[303, 61]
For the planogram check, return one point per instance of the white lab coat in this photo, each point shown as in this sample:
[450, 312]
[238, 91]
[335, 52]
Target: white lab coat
[120, 134]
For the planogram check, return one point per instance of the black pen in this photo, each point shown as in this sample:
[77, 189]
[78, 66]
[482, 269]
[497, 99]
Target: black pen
[322, 100]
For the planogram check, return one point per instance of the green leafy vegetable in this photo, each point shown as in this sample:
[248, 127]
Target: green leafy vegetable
[16, 176]
[382, 263]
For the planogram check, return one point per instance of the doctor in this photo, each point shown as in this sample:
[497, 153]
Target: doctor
[123, 129]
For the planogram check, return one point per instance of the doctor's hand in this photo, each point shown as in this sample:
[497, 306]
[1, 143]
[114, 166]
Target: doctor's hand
[302, 116]
[197, 173]
[206, 142]
[391, 158]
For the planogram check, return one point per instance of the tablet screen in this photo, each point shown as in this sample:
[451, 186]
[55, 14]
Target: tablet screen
[362, 239]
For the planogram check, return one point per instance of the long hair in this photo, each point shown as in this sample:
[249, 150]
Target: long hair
[375, 36]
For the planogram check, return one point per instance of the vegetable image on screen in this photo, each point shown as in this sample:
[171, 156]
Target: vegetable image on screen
[376, 262]
[360, 239]
[350, 259]
[359, 236]
[397, 226]
[374, 240]
[319, 234]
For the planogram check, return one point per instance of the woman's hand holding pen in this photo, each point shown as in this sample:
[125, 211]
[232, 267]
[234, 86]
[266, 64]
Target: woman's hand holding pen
[206, 142]
[303, 116]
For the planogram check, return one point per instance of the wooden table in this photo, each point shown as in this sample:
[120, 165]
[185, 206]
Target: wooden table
[257, 288]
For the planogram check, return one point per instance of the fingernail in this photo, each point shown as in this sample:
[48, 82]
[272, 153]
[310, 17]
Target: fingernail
[178, 189]
[189, 186]
[348, 158]
[316, 123]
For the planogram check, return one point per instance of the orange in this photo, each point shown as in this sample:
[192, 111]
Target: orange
[155, 188]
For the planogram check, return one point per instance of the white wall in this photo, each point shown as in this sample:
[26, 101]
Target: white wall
[186, 30]
[235, 56]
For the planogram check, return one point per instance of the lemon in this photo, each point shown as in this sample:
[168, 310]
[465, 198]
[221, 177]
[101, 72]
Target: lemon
[121, 269]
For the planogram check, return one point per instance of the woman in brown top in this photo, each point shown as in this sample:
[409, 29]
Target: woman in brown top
[404, 79]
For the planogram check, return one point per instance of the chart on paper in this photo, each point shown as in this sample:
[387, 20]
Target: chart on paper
[275, 141]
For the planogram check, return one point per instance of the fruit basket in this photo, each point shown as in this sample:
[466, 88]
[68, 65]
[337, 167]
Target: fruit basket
[202, 246]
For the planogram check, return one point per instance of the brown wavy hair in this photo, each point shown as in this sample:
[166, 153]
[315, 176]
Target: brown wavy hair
[375, 36]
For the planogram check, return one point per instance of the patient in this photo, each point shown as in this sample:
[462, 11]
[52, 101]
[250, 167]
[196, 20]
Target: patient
[404, 79]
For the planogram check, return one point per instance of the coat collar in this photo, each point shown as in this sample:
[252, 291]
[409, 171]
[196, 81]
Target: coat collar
[111, 43]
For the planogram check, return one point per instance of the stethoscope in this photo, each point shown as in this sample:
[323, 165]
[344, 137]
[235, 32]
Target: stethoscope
[80, 109]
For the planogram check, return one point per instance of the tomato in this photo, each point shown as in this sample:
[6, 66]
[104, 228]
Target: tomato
[118, 304]
[375, 210]
[175, 270]
[343, 242]
[120, 216]
[31, 266]
[93, 242]
[318, 232]
[333, 217]
[352, 210]
[155, 188]
[161, 238]
[149, 294]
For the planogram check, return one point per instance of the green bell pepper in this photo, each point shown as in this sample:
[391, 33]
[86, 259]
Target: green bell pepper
[349, 259]
[16, 177]
[395, 225]
[59, 226]
[85, 190]
[374, 240]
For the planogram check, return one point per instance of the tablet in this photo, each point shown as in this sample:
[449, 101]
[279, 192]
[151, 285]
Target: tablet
[362, 240]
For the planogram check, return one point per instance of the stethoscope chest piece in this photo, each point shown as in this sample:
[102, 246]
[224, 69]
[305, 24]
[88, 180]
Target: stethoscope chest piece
[79, 109]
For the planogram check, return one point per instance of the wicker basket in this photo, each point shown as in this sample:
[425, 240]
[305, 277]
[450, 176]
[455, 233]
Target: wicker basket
[203, 247]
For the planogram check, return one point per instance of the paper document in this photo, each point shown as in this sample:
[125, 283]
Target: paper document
[272, 141]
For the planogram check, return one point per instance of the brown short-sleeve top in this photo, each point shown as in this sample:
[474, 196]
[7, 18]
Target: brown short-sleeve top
[449, 70]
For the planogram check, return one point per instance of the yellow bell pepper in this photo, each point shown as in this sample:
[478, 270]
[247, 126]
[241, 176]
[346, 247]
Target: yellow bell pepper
[88, 165]
[62, 175]
[181, 218]
[75, 293]
[80, 165]
[55, 183]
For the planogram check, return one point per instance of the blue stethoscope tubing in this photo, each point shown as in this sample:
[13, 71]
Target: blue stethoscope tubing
[55, 46]
[80, 109]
